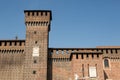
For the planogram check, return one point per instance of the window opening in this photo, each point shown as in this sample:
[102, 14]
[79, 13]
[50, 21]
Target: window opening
[83, 69]
[36, 42]
[106, 63]
[34, 72]
[35, 32]
[35, 61]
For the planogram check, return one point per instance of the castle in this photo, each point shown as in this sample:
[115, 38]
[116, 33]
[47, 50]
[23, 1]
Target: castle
[32, 59]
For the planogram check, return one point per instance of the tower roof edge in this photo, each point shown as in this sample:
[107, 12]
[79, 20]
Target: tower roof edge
[40, 11]
[37, 11]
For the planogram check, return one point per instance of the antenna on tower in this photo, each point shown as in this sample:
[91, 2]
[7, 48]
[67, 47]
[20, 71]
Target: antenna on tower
[16, 38]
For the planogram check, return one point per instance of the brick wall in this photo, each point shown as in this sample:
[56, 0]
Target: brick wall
[11, 66]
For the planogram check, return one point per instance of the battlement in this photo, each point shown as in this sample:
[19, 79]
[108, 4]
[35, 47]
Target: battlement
[66, 53]
[12, 43]
[108, 47]
[11, 51]
[86, 55]
[38, 18]
[37, 15]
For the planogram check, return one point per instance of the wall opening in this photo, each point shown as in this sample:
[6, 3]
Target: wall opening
[106, 63]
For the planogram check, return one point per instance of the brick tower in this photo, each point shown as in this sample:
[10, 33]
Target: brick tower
[36, 48]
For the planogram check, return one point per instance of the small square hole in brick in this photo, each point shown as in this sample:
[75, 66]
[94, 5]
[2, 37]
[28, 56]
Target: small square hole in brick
[34, 72]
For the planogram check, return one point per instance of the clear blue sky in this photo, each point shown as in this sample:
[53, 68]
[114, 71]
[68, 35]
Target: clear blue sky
[76, 23]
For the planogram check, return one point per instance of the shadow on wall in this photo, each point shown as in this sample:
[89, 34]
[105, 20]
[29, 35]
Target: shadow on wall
[49, 71]
[105, 75]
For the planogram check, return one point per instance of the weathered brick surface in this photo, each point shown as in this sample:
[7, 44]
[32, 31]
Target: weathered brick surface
[37, 30]
[113, 71]
[11, 60]
[59, 69]
[18, 63]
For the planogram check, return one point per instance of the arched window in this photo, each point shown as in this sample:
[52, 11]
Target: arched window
[106, 63]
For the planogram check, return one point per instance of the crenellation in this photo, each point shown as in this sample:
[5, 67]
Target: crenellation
[37, 13]
[60, 59]
[108, 51]
[3, 43]
[86, 56]
[11, 51]
[60, 53]
[88, 53]
[37, 23]
[117, 51]
[37, 18]
[7, 43]
[32, 59]
[12, 43]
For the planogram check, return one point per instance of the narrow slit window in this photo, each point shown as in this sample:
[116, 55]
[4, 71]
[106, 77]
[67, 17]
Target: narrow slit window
[83, 69]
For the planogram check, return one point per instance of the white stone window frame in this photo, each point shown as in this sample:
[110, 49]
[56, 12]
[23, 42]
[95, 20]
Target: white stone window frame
[92, 72]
